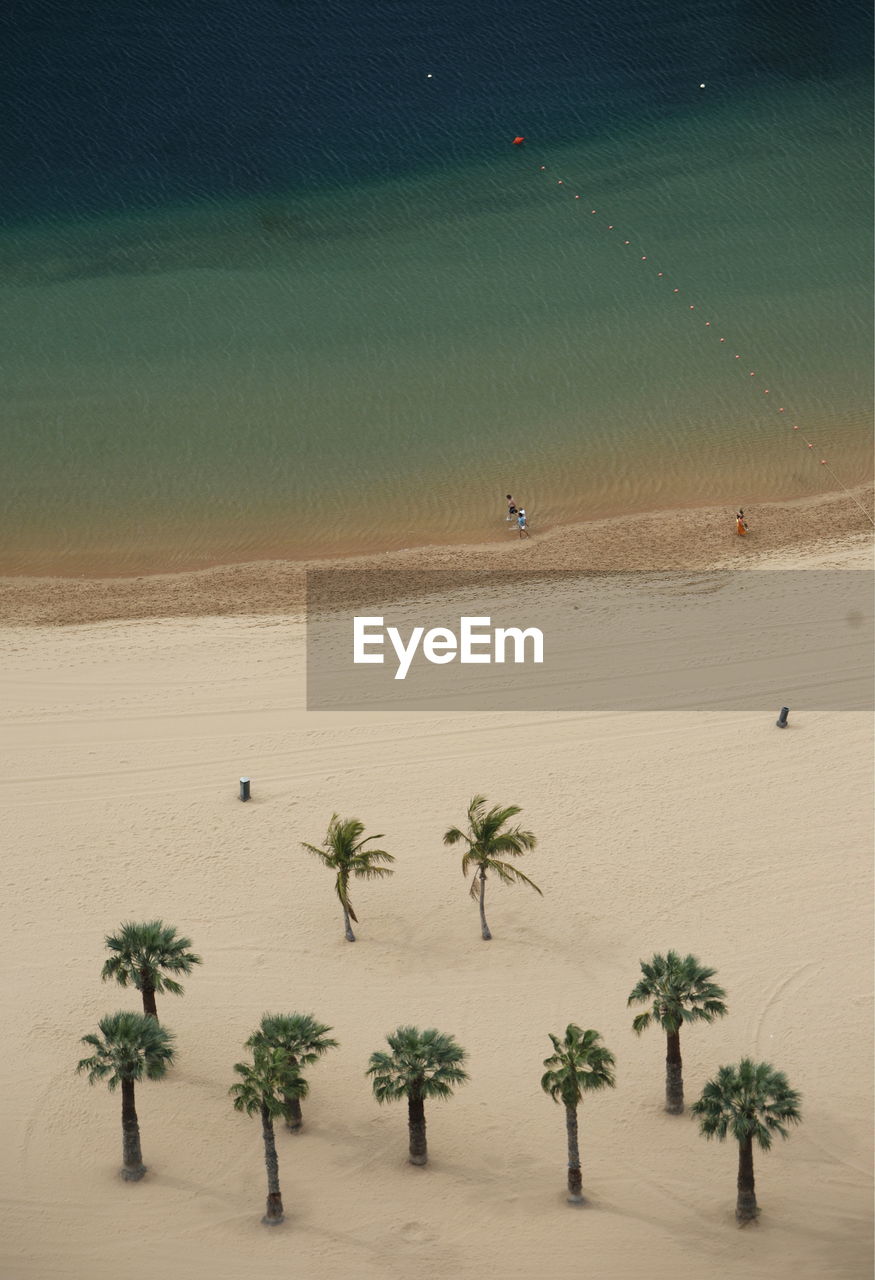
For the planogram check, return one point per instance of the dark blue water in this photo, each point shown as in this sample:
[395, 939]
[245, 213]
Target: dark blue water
[274, 280]
[124, 105]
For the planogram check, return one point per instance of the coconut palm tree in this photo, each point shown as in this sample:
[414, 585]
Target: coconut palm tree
[143, 956]
[579, 1064]
[486, 841]
[422, 1064]
[265, 1086]
[343, 852]
[749, 1102]
[680, 990]
[305, 1041]
[131, 1047]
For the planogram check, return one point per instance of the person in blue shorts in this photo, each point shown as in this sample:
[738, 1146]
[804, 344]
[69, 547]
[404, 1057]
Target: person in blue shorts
[521, 522]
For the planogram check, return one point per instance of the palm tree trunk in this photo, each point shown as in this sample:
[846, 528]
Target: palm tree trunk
[274, 1214]
[149, 1006]
[746, 1205]
[574, 1178]
[132, 1157]
[416, 1124]
[296, 1118]
[347, 927]
[484, 927]
[674, 1079]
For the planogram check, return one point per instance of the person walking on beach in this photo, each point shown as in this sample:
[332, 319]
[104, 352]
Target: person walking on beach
[511, 507]
[740, 523]
[521, 522]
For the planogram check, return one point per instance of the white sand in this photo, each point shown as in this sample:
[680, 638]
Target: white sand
[709, 832]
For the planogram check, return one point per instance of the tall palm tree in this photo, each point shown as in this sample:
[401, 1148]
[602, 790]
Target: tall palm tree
[265, 1086]
[680, 990]
[578, 1064]
[749, 1102]
[422, 1064]
[486, 840]
[305, 1041]
[131, 1047]
[343, 852]
[142, 957]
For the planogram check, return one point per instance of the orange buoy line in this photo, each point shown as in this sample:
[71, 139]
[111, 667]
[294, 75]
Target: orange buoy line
[709, 324]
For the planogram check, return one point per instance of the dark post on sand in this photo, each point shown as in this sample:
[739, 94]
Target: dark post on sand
[244, 788]
[781, 721]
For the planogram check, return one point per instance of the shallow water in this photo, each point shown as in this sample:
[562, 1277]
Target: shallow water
[350, 360]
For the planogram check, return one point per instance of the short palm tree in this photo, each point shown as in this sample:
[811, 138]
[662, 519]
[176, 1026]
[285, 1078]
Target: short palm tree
[142, 957]
[131, 1047]
[265, 1086]
[579, 1064]
[422, 1064]
[487, 842]
[680, 990]
[749, 1102]
[305, 1041]
[343, 852]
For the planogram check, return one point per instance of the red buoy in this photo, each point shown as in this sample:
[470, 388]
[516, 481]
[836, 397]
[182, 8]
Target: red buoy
[518, 141]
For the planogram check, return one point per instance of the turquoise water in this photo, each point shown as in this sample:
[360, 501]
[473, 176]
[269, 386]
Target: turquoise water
[375, 363]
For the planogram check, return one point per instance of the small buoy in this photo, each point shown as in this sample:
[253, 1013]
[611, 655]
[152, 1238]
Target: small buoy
[701, 86]
[518, 141]
[428, 76]
[244, 788]
[722, 339]
[781, 721]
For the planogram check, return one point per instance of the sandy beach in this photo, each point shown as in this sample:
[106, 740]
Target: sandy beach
[698, 538]
[125, 736]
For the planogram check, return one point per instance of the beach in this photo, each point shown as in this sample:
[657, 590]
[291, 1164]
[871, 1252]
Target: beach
[749, 847]
[696, 538]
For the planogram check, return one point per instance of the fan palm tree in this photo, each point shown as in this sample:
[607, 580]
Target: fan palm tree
[265, 1086]
[486, 841]
[749, 1102]
[680, 990]
[579, 1064]
[343, 852]
[142, 957]
[422, 1064]
[305, 1041]
[131, 1047]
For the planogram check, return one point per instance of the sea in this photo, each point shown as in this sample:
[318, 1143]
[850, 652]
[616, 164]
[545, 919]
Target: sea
[277, 281]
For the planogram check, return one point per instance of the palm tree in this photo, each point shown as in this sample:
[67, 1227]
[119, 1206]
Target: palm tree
[486, 839]
[305, 1041]
[143, 955]
[265, 1086]
[422, 1064]
[578, 1065]
[131, 1047]
[681, 991]
[747, 1102]
[343, 852]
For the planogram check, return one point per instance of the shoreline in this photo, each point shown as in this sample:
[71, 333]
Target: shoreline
[688, 538]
